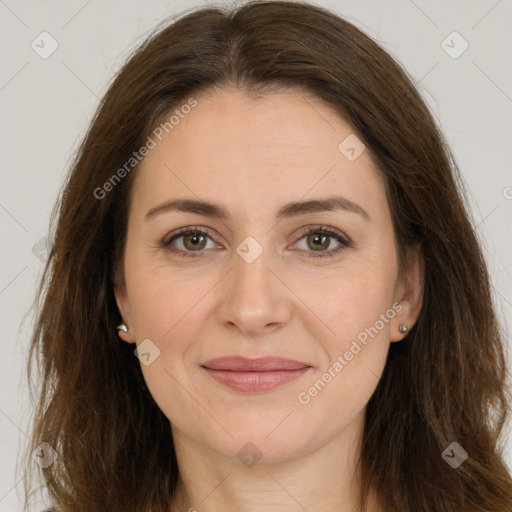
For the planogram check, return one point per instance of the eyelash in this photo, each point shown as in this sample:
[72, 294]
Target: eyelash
[166, 242]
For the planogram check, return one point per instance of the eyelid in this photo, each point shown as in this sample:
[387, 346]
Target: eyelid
[321, 228]
[183, 231]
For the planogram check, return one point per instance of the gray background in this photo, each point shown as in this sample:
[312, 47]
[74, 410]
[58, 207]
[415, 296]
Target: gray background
[46, 105]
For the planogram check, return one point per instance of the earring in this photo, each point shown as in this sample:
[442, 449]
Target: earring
[122, 327]
[403, 328]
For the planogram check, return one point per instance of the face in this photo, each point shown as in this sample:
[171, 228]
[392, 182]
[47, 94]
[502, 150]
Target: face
[300, 302]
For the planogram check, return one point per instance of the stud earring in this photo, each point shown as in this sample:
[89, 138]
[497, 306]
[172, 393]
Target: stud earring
[403, 328]
[122, 327]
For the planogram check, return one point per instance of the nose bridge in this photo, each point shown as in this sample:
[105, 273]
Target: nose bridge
[252, 262]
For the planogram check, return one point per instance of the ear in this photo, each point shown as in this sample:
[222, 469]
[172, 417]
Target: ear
[409, 292]
[123, 304]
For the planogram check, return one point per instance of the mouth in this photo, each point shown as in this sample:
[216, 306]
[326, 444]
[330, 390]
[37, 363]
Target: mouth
[254, 375]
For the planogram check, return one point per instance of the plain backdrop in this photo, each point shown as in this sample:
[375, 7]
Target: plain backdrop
[47, 103]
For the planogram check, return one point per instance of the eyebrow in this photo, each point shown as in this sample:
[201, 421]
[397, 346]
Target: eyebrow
[289, 210]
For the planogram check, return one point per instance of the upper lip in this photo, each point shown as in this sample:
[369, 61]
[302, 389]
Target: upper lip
[262, 364]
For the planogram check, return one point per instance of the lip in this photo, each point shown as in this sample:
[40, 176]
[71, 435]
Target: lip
[254, 375]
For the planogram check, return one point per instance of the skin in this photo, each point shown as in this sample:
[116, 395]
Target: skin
[252, 156]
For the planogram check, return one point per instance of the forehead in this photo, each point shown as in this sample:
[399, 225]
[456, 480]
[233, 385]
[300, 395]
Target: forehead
[280, 146]
[296, 122]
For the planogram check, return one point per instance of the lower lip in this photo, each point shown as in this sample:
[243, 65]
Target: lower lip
[255, 381]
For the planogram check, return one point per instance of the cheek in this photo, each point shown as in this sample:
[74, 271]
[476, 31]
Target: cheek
[352, 301]
[165, 311]
[171, 308]
[358, 311]
[162, 298]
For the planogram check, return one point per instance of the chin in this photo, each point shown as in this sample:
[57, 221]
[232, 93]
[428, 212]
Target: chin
[270, 438]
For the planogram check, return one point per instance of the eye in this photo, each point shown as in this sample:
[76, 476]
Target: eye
[320, 238]
[193, 241]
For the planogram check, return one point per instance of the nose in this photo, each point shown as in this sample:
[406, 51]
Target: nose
[255, 298]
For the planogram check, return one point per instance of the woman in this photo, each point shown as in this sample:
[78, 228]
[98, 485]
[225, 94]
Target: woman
[264, 291]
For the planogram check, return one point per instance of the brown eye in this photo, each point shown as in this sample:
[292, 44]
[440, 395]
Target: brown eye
[318, 240]
[194, 241]
[187, 241]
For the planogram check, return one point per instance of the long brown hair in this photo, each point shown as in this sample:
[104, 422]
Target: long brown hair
[446, 383]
